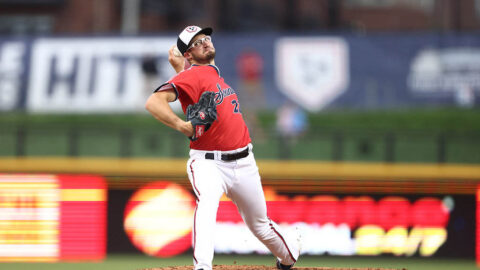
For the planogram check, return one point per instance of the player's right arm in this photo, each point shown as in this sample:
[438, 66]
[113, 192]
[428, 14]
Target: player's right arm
[157, 105]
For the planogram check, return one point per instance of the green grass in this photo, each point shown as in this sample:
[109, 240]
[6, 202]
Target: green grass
[132, 262]
[402, 136]
[430, 119]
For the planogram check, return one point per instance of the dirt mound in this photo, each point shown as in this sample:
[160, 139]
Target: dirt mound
[261, 267]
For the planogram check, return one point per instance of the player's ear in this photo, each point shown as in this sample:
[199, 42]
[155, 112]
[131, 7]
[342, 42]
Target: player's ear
[188, 56]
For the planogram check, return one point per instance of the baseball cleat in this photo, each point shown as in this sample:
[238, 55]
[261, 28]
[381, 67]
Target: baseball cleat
[283, 267]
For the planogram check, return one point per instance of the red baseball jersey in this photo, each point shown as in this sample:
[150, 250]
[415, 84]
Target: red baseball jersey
[229, 131]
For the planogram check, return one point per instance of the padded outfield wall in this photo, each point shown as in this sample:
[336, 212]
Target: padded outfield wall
[333, 71]
[146, 206]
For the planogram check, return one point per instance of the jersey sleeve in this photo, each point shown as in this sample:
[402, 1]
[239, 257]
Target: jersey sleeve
[167, 86]
[185, 86]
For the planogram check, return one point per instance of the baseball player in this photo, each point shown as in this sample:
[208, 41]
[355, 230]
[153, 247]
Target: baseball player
[221, 158]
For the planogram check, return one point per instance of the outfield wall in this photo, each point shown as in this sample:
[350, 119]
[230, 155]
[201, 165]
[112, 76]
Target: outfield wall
[85, 74]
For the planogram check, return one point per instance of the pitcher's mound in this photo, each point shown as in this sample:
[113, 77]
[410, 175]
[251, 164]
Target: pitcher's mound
[264, 267]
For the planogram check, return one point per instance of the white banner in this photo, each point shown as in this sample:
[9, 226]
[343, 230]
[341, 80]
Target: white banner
[312, 71]
[96, 75]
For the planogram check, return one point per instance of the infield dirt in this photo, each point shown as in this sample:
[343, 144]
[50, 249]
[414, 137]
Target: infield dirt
[264, 267]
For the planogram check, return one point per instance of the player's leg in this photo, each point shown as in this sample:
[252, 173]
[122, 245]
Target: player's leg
[208, 187]
[247, 193]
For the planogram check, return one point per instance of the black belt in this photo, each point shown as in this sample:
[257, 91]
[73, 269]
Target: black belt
[229, 157]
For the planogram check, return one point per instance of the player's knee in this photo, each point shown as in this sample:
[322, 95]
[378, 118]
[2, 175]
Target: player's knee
[208, 202]
[261, 230]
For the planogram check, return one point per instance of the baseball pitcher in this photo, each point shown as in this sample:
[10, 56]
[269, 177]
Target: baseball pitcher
[221, 158]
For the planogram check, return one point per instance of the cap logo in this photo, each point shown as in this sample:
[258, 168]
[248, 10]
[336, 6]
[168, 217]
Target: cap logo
[191, 29]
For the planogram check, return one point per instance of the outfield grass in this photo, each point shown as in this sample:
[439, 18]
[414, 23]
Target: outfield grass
[132, 262]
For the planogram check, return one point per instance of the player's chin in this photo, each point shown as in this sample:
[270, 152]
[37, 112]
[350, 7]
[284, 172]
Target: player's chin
[210, 54]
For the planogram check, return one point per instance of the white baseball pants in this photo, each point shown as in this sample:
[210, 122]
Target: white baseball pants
[240, 181]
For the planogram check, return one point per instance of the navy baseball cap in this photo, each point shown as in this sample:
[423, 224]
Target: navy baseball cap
[188, 34]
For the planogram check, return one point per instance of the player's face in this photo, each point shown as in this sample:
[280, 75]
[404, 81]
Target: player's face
[202, 50]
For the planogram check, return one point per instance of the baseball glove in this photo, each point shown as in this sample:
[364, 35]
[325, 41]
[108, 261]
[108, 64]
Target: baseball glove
[202, 114]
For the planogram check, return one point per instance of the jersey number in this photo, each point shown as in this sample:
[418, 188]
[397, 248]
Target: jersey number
[236, 105]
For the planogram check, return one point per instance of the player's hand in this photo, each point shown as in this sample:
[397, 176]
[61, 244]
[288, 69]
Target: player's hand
[187, 129]
[177, 62]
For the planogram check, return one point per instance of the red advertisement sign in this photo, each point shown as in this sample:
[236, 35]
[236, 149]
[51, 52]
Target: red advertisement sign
[158, 220]
[52, 217]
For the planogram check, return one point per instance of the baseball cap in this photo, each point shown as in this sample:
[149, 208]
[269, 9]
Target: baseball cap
[188, 34]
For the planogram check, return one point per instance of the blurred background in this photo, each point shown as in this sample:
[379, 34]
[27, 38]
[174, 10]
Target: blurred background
[364, 116]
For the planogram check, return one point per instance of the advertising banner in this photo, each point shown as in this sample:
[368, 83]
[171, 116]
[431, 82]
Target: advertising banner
[158, 221]
[96, 74]
[52, 218]
[317, 72]
[446, 71]
[64, 218]
[360, 72]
